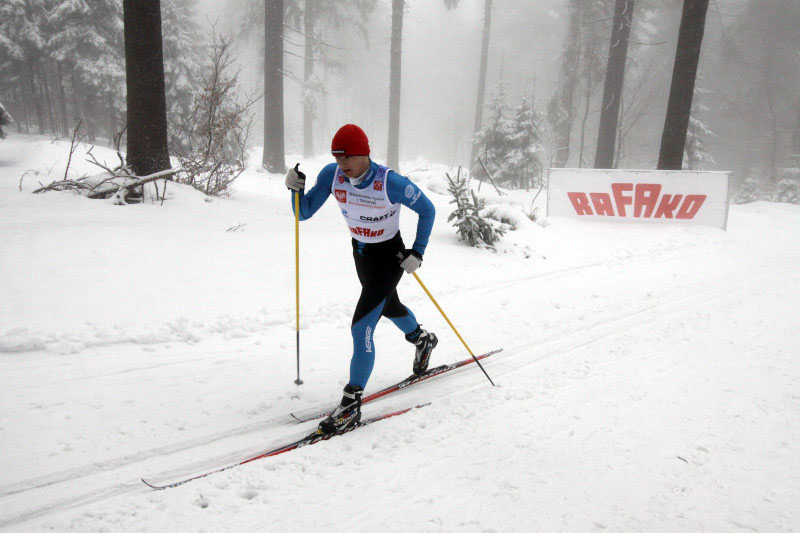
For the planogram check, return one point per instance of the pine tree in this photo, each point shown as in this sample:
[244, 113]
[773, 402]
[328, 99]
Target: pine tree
[524, 168]
[22, 50]
[89, 47]
[183, 46]
[492, 140]
[695, 154]
[509, 147]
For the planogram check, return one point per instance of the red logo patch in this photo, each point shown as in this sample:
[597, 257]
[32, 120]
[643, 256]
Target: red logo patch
[366, 232]
[341, 179]
[378, 185]
[341, 196]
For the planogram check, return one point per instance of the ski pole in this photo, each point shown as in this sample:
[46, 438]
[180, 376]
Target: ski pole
[298, 381]
[424, 288]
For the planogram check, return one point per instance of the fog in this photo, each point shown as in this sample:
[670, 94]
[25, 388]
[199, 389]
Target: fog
[441, 60]
[745, 115]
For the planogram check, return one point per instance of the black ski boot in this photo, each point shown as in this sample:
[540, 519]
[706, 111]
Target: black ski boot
[425, 343]
[346, 414]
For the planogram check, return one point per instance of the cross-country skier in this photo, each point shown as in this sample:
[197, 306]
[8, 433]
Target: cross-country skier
[370, 197]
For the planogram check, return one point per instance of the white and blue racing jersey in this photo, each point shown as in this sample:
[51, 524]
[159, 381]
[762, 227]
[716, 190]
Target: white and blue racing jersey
[371, 209]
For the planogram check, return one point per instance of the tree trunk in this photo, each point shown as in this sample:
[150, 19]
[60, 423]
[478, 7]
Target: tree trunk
[615, 80]
[487, 25]
[144, 76]
[393, 153]
[91, 130]
[32, 96]
[82, 107]
[568, 80]
[111, 124]
[796, 139]
[309, 14]
[589, 91]
[273, 158]
[44, 92]
[684, 73]
[62, 101]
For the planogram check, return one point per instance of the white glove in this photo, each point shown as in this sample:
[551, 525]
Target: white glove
[410, 260]
[295, 179]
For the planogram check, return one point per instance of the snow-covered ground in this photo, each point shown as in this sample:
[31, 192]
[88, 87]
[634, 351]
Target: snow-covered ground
[649, 379]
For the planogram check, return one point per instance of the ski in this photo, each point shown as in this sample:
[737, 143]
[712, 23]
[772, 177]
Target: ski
[308, 440]
[410, 380]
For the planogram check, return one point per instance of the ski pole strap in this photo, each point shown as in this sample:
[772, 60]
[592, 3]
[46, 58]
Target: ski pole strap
[424, 288]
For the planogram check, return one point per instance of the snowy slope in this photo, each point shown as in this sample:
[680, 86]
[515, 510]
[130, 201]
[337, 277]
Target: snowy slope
[649, 379]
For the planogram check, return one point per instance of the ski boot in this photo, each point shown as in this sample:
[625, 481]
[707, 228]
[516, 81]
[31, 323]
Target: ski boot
[346, 414]
[425, 343]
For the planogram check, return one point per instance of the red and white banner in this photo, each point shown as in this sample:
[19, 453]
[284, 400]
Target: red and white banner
[699, 197]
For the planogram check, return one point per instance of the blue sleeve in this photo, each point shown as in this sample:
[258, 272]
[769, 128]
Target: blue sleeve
[311, 202]
[402, 190]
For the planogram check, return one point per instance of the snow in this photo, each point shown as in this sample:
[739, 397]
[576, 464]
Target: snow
[649, 379]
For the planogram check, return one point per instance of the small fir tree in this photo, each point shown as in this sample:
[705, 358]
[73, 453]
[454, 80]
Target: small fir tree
[472, 228]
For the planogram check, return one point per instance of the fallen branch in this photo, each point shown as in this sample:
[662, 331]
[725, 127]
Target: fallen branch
[142, 180]
[34, 172]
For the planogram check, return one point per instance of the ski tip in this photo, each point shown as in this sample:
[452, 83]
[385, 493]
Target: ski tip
[154, 487]
[296, 417]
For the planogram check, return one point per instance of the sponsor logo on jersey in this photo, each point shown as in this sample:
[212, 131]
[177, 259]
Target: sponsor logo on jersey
[366, 232]
[378, 219]
[409, 191]
[378, 185]
[341, 179]
[341, 196]
[645, 199]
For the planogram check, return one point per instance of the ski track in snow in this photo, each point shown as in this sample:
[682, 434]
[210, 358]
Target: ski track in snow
[511, 361]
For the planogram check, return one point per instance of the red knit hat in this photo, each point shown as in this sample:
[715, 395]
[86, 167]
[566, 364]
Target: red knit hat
[350, 140]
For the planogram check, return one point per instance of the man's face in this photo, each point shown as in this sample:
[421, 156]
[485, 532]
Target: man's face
[353, 165]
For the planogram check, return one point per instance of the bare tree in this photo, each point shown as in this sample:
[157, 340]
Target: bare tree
[212, 141]
[273, 157]
[144, 68]
[393, 153]
[684, 74]
[615, 79]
